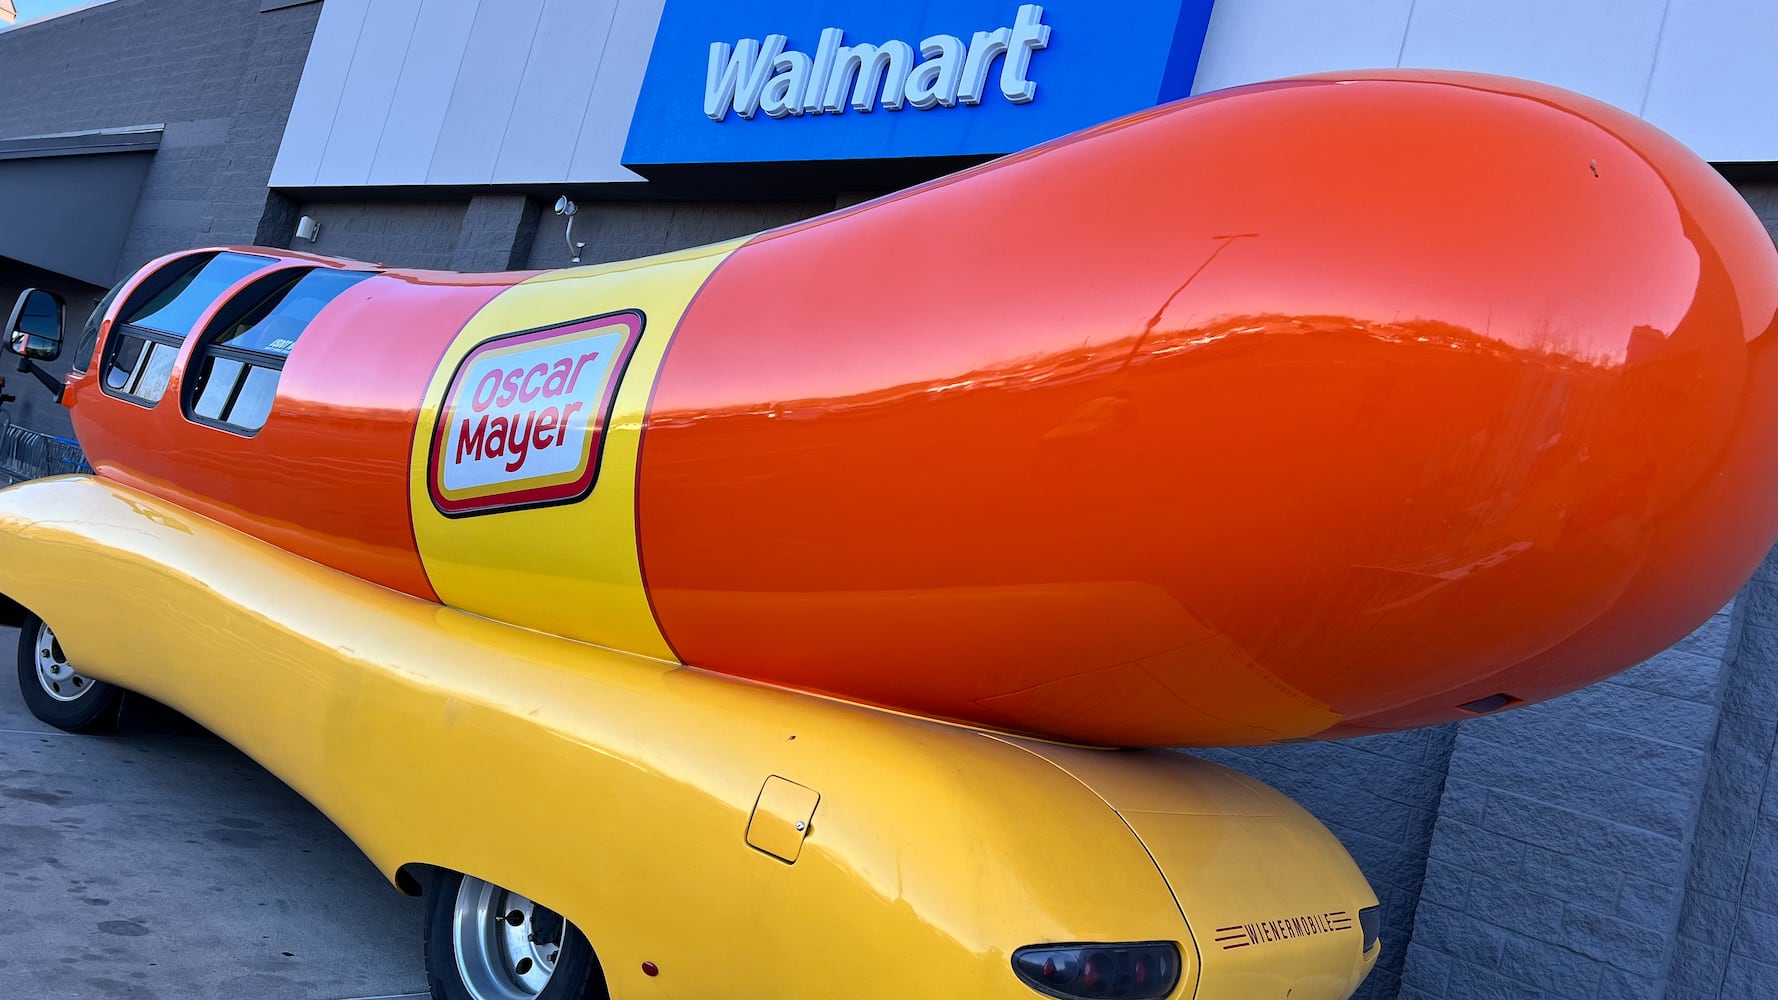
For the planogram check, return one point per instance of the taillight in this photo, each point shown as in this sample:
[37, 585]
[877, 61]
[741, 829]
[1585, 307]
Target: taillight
[1145, 971]
[1370, 923]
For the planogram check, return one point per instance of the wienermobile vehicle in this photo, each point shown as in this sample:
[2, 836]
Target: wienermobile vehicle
[762, 620]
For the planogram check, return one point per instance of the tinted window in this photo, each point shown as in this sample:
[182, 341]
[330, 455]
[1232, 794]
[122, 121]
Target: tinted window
[156, 371]
[143, 346]
[124, 363]
[89, 334]
[253, 403]
[176, 308]
[141, 367]
[273, 325]
[238, 368]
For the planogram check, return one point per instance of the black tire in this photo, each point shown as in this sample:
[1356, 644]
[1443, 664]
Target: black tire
[577, 974]
[69, 702]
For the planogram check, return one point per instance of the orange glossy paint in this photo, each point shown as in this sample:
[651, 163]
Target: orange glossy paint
[326, 477]
[1307, 409]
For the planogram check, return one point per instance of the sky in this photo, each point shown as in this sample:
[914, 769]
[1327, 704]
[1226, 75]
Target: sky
[37, 8]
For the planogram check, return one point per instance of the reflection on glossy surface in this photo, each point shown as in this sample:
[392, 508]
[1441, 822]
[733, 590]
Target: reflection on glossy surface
[177, 308]
[933, 847]
[1300, 410]
[1304, 409]
[326, 475]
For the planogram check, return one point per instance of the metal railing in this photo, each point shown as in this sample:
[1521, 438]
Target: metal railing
[28, 454]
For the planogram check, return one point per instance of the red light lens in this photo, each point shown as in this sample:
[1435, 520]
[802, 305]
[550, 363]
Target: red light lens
[1142, 971]
[1092, 977]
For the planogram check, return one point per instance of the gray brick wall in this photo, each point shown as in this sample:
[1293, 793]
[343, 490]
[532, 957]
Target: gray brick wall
[133, 62]
[176, 193]
[497, 232]
[625, 230]
[1619, 843]
[1762, 197]
[1564, 836]
[219, 74]
[399, 233]
[241, 209]
[1728, 927]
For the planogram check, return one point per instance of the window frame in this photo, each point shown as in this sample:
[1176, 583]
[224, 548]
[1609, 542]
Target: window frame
[145, 291]
[249, 360]
[205, 347]
[114, 344]
[86, 351]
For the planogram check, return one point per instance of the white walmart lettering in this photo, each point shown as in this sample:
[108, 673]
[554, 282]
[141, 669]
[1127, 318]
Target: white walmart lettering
[752, 75]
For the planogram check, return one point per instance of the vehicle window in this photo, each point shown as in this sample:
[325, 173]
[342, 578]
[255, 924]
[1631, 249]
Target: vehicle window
[177, 308]
[140, 367]
[89, 334]
[274, 324]
[238, 367]
[143, 347]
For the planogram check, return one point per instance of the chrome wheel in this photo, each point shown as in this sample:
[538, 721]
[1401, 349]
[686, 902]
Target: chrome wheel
[59, 680]
[506, 946]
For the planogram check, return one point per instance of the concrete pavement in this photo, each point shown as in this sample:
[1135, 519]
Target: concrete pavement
[162, 864]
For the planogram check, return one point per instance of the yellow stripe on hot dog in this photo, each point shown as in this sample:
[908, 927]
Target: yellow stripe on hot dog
[497, 491]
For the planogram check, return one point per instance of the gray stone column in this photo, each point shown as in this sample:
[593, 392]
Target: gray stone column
[1728, 928]
[241, 209]
[1565, 836]
[497, 233]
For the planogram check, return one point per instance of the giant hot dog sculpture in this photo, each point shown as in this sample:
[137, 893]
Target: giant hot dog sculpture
[1324, 407]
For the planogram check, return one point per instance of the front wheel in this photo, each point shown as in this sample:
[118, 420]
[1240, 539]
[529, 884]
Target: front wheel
[484, 942]
[54, 691]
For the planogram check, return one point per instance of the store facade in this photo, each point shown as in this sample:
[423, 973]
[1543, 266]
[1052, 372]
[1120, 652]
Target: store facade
[1618, 843]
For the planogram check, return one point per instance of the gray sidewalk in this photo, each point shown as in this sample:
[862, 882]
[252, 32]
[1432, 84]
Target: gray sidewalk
[162, 864]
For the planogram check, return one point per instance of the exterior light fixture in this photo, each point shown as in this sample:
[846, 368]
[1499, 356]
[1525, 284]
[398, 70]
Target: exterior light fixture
[565, 207]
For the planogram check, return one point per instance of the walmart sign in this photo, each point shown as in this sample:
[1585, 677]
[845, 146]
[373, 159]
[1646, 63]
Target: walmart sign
[731, 81]
[952, 72]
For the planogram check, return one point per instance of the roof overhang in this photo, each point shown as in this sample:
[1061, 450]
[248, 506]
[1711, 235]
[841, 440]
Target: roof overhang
[66, 200]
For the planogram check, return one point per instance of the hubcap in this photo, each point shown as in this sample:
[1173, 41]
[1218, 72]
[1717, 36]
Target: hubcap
[57, 678]
[506, 946]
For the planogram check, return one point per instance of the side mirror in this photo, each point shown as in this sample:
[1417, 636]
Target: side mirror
[35, 330]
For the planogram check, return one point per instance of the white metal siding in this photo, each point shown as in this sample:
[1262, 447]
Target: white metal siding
[477, 92]
[1704, 70]
[409, 92]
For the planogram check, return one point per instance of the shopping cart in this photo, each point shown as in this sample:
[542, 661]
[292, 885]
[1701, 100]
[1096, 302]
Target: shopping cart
[28, 454]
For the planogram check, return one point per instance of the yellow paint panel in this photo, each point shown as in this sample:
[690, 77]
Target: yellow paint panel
[936, 848]
[1288, 926]
[570, 569]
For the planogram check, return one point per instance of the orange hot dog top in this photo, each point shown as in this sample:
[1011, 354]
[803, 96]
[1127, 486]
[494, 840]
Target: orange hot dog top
[1307, 409]
[1310, 408]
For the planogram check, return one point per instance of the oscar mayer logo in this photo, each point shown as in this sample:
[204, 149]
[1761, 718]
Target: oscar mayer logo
[523, 420]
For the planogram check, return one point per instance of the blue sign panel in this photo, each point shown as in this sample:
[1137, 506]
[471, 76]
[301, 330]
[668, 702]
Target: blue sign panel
[754, 81]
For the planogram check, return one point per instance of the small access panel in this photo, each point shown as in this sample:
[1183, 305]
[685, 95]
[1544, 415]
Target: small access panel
[781, 818]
